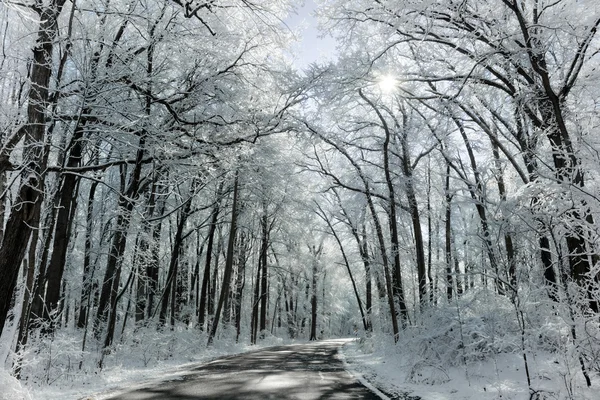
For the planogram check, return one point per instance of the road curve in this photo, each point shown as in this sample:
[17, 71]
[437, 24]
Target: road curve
[305, 371]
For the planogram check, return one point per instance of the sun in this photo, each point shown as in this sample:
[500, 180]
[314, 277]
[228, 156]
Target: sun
[387, 83]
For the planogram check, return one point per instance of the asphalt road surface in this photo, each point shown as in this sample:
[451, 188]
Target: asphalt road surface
[306, 371]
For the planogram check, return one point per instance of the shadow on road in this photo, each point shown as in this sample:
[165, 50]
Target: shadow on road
[309, 371]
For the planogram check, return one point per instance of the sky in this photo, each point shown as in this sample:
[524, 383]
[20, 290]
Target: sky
[311, 48]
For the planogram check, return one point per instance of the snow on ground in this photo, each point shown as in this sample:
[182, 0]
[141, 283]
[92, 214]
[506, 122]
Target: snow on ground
[392, 369]
[11, 387]
[120, 372]
[428, 365]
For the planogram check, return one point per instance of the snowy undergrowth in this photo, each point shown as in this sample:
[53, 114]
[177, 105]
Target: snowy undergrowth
[58, 369]
[473, 350]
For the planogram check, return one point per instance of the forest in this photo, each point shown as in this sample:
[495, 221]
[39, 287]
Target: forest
[170, 180]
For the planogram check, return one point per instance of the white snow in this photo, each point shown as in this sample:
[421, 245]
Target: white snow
[391, 368]
[131, 365]
[11, 387]
[426, 362]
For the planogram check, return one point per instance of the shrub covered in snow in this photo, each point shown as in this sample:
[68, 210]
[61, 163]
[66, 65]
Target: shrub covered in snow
[483, 340]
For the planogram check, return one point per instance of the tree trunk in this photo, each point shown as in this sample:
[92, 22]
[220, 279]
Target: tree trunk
[476, 192]
[398, 288]
[171, 284]
[429, 237]
[228, 261]
[24, 215]
[416, 222]
[152, 268]
[64, 220]
[316, 254]
[141, 261]
[204, 292]
[255, 303]
[88, 270]
[508, 240]
[264, 265]
[448, 230]
[347, 264]
[240, 282]
[29, 271]
[112, 276]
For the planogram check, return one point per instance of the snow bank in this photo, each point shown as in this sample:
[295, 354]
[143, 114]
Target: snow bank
[11, 388]
[473, 350]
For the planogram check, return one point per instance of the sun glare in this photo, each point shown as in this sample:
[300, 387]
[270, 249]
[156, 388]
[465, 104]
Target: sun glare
[387, 83]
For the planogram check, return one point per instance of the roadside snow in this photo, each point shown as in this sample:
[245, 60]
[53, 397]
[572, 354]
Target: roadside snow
[122, 370]
[11, 387]
[113, 379]
[359, 376]
[391, 368]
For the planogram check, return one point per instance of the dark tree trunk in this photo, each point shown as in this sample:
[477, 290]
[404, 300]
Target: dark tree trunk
[448, 230]
[316, 253]
[416, 223]
[432, 294]
[212, 297]
[264, 225]
[289, 308]
[255, 303]
[24, 215]
[240, 282]
[64, 220]
[195, 281]
[112, 276]
[141, 261]
[171, 284]
[363, 247]
[88, 270]
[398, 288]
[205, 291]
[29, 271]
[36, 310]
[508, 240]
[228, 262]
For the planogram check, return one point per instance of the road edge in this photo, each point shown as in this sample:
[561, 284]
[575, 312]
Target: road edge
[358, 376]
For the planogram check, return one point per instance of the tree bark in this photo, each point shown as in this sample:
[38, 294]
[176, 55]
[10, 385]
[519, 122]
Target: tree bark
[264, 226]
[142, 260]
[88, 269]
[392, 219]
[22, 219]
[228, 261]
[448, 230]
[313, 298]
[255, 304]
[64, 220]
[240, 282]
[171, 285]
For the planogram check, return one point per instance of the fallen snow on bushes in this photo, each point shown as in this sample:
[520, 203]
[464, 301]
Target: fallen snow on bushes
[401, 374]
[475, 348]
